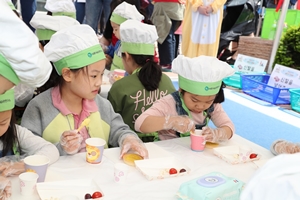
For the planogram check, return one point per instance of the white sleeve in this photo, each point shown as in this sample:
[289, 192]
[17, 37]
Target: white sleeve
[20, 48]
[31, 144]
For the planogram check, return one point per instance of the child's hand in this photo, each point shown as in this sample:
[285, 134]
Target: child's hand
[12, 168]
[181, 124]
[214, 135]
[108, 59]
[209, 9]
[5, 188]
[71, 141]
[133, 143]
[283, 146]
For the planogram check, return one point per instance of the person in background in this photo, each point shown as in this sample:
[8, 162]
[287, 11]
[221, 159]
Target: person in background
[197, 101]
[57, 113]
[28, 8]
[277, 179]
[61, 8]
[284, 147]
[133, 94]
[46, 25]
[167, 16]
[93, 10]
[202, 27]
[80, 10]
[122, 12]
[20, 62]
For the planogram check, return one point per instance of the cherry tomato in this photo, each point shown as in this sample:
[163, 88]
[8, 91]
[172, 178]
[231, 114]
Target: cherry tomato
[87, 196]
[253, 155]
[172, 171]
[96, 195]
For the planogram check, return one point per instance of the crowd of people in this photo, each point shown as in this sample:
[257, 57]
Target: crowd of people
[64, 60]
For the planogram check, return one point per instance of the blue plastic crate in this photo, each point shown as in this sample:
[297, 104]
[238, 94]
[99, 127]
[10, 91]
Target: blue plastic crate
[256, 85]
[295, 99]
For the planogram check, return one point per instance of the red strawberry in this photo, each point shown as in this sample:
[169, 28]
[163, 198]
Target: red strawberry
[172, 171]
[253, 155]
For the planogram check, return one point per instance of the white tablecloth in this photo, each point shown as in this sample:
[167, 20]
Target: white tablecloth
[137, 186]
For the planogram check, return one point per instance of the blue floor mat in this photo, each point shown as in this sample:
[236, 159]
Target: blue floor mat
[258, 127]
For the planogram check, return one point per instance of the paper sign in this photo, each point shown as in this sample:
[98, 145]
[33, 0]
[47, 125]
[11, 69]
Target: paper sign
[284, 77]
[247, 64]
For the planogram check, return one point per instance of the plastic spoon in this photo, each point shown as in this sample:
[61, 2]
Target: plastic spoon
[84, 124]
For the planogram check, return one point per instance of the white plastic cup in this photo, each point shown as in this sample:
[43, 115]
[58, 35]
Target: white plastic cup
[28, 182]
[37, 164]
[94, 150]
[121, 171]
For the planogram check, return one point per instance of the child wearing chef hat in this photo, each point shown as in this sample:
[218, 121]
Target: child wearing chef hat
[21, 61]
[121, 13]
[145, 75]
[46, 25]
[61, 8]
[197, 101]
[57, 113]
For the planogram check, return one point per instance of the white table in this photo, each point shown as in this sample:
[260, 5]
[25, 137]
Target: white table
[137, 186]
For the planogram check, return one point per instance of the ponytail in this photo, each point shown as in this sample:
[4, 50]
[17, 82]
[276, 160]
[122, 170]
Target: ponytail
[150, 72]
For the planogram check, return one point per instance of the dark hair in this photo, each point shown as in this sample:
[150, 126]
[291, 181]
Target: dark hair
[54, 80]
[49, 13]
[219, 96]
[44, 42]
[10, 138]
[150, 72]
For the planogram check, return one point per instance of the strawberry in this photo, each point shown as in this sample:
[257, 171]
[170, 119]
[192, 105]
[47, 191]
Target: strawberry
[172, 171]
[96, 195]
[253, 155]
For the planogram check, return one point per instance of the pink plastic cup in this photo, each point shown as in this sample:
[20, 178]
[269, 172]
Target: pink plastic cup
[197, 141]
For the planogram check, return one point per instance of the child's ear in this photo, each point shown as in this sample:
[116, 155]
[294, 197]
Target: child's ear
[66, 74]
[127, 57]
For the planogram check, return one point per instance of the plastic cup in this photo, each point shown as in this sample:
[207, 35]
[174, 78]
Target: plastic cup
[197, 141]
[121, 171]
[94, 150]
[28, 183]
[37, 164]
[118, 74]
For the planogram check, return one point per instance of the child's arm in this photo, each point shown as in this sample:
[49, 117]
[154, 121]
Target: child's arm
[34, 145]
[182, 124]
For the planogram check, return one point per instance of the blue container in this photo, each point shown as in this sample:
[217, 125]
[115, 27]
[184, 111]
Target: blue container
[234, 80]
[295, 99]
[256, 85]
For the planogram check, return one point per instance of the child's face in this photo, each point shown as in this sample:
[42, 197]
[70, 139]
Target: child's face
[5, 117]
[87, 82]
[196, 103]
[116, 29]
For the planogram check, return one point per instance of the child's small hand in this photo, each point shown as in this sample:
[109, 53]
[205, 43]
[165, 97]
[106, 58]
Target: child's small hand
[133, 143]
[214, 135]
[181, 124]
[209, 9]
[5, 188]
[71, 141]
[12, 168]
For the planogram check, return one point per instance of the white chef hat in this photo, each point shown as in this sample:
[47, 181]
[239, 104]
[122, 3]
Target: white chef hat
[20, 56]
[138, 38]
[125, 11]
[46, 25]
[61, 8]
[74, 47]
[277, 179]
[201, 75]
